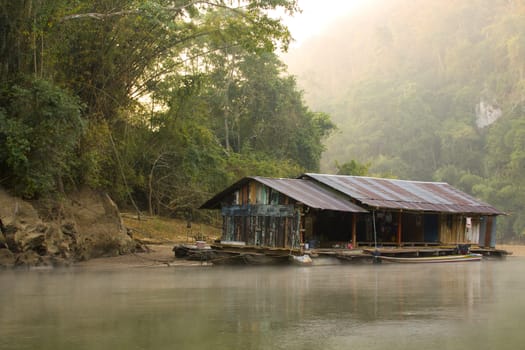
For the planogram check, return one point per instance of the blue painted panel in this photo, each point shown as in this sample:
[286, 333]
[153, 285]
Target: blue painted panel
[493, 232]
[482, 230]
[431, 228]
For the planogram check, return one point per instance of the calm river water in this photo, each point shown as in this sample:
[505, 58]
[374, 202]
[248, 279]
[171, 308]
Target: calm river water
[479, 305]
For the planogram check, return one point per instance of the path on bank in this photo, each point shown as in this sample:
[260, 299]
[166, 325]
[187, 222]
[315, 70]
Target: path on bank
[159, 255]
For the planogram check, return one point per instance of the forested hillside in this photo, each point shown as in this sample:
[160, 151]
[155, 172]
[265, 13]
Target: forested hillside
[431, 90]
[159, 102]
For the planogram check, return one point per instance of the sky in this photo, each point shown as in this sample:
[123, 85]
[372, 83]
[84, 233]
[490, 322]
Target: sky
[316, 16]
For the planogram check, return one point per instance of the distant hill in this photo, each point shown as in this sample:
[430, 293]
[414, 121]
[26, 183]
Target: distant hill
[429, 90]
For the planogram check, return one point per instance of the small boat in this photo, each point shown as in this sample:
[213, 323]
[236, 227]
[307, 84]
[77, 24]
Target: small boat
[183, 250]
[305, 259]
[201, 255]
[431, 259]
[265, 259]
[199, 251]
[250, 259]
[229, 259]
[354, 258]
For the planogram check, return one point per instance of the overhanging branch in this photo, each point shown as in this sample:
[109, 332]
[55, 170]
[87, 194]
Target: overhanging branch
[178, 9]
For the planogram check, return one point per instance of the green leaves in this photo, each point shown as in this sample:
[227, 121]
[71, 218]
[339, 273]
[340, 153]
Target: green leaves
[14, 136]
[433, 92]
[162, 101]
[352, 168]
[41, 127]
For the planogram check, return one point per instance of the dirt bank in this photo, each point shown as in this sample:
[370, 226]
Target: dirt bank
[51, 232]
[158, 256]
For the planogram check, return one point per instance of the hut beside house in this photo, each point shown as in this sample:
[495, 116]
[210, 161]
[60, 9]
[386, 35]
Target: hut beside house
[326, 211]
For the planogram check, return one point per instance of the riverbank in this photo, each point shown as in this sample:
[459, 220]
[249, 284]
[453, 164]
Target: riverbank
[158, 236]
[161, 255]
[158, 255]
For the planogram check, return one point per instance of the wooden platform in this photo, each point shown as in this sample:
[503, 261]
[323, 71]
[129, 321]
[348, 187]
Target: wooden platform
[491, 252]
[344, 255]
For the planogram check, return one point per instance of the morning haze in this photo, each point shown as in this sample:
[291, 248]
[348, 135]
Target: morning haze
[428, 91]
[122, 122]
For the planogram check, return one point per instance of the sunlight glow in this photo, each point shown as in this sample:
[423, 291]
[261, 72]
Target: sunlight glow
[316, 15]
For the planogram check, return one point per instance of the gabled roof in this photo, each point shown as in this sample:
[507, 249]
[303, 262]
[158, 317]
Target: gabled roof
[404, 195]
[308, 192]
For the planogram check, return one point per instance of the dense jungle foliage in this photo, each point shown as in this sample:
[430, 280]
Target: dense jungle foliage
[159, 102]
[164, 102]
[431, 90]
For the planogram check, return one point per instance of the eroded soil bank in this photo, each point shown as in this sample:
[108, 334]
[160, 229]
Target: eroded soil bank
[85, 225]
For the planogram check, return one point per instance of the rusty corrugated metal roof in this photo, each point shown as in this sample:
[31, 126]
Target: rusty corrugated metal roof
[307, 192]
[311, 194]
[405, 195]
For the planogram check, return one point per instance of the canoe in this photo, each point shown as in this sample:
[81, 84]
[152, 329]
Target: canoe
[431, 259]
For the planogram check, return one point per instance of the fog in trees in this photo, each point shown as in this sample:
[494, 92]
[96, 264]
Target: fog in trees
[429, 91]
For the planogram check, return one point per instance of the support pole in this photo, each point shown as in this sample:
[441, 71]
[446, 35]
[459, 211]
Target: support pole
[399, 228]
[375, 232]
[354, 230]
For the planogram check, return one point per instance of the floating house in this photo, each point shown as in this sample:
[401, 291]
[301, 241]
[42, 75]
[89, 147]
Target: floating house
[327, 211]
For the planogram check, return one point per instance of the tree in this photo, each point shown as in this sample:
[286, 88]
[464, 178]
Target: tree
[40, 127]
[120, 51]
[272, 132]
[159, 102]
[262, 109]
[404, 84]
[352, 168]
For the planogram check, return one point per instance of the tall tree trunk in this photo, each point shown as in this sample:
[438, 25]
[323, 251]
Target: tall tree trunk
[226, 129]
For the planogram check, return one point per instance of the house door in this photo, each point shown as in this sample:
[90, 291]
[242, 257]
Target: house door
[431, 228]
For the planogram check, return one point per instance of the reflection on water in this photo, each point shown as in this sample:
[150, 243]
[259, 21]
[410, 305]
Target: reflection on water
[445, 306]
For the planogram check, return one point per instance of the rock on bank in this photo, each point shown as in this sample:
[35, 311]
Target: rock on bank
[84, 225]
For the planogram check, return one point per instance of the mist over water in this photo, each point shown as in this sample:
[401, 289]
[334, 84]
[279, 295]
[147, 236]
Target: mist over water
[448, 306]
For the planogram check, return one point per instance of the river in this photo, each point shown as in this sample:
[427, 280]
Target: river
[474, 305]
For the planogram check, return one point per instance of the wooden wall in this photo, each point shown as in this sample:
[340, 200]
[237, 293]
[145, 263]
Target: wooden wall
[452, 229]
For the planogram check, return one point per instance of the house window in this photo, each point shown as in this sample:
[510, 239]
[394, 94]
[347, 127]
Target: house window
[274, 198]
